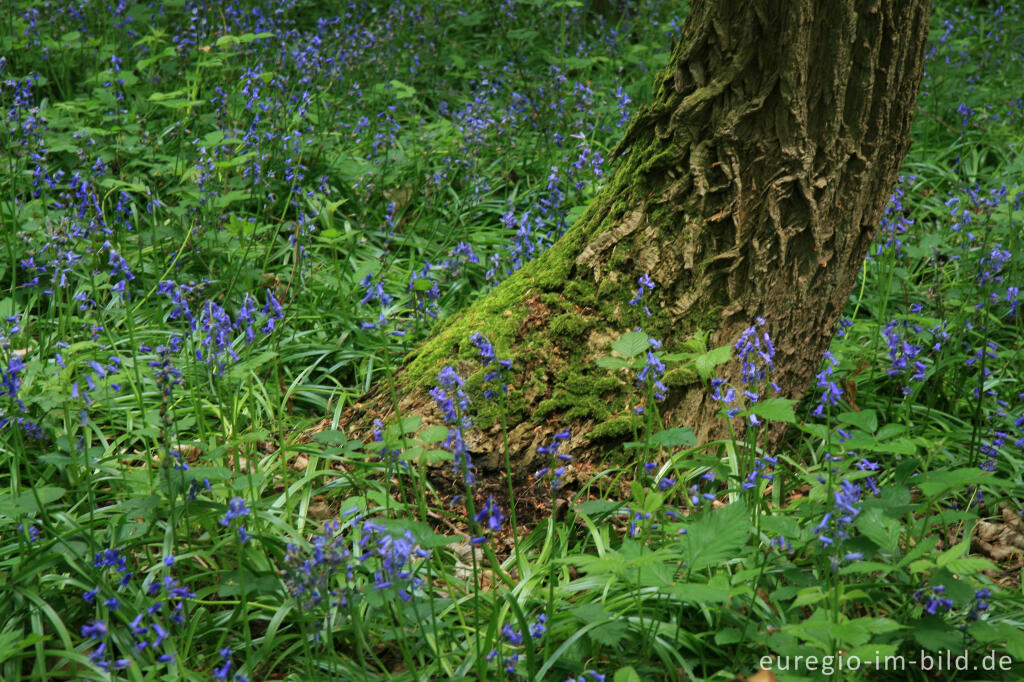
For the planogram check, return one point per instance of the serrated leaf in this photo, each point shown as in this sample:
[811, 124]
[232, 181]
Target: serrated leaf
[698, 593]
[865, 419]
[775, 409]
[609, 633]
[680, 436]
[612, 363]
[970, 564]
[331, 437]
[716, 538]
[434, 434]
[627, 674]
[880, 529]
[809, 595]
[935, 634]
[631, 344]
[705, 363]
[957, 551]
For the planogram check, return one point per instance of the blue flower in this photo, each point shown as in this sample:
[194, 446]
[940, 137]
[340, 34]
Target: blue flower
[236, 510]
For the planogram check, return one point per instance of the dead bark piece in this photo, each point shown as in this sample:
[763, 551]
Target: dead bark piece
[1001, 540]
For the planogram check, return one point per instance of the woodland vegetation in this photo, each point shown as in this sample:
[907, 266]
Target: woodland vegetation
[236, 234]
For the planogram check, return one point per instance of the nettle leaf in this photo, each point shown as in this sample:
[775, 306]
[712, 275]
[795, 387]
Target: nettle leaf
[434, 434]
[865, 419]
[610, 362]
[631, 344]
[935, 634]
[936, 482]
[680, 436]
[697, 593]
[706, 362]
[627, 674]
[880, 529]
[716, 538]
[775, 409]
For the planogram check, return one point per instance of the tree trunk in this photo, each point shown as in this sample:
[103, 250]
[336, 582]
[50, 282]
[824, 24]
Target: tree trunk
[751, 187]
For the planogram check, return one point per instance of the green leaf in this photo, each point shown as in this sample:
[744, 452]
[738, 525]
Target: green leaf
[809, 595]
[698, 593]
[861, 567]
[434, 434]
[775, 409]
[935, 634]
[936, 482]
[627, 674]
[611, 362]
[865, 419]
[680, 436]
[631, 344]
[331, 437]
[970, 564]
[716, 538]
[610, 633]
[411, 424]
[13, 642]
[595, 507]
[706, 362]
[26, 501]
[880, 529]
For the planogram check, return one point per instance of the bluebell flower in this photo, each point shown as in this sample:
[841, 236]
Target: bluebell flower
[649, 376]
[934, 601]
[831, 393]
[453, 403]
[236, 510]
[491, 515]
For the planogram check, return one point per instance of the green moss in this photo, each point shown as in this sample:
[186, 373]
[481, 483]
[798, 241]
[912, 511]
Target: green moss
[571, 326]
[581, 293]
[681, 376]
[617, 427]
[583, 385]
[554, 404]
[607, 290]
[590, 407]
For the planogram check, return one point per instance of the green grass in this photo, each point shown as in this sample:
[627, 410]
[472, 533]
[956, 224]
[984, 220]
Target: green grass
[221, 225]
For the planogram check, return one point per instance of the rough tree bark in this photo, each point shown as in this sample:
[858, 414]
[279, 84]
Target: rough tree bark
[750, 187]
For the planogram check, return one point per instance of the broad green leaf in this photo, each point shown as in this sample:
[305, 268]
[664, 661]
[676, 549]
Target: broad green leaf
[865, 419]
[706, 362]
[775, 409]
[698, 593]
[25, 502]
[680, 436]
[880, 529]
[331, 437]
[716, 538]
[809, 595]
[434, 434]
[936, 482]
[631, 344]
[627, 674]
[611, 362]
[934, 634]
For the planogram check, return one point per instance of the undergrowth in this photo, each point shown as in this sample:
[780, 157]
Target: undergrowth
[222, 222]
